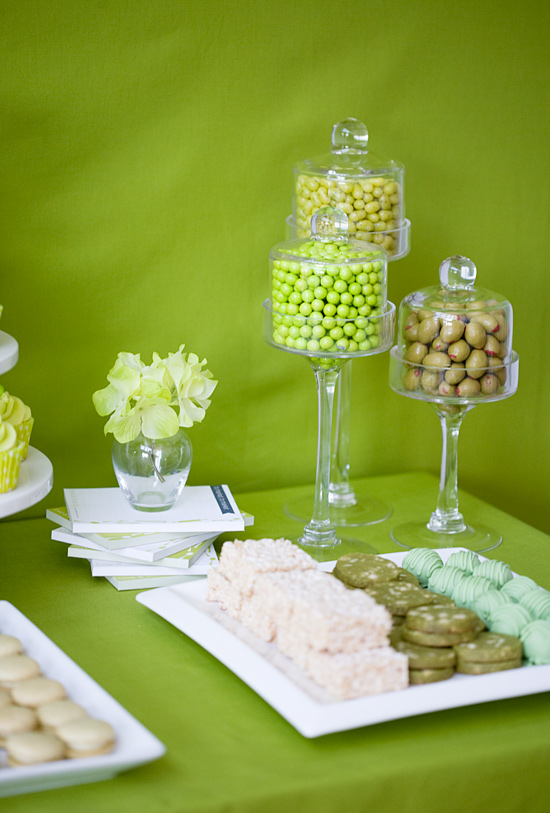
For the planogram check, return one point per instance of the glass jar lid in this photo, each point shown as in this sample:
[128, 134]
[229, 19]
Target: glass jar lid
[457, 291]
[350, 156]
[329, 243]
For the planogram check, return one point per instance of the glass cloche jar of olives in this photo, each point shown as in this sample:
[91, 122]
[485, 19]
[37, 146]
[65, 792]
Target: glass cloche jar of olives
[367, 188]
[454, 342]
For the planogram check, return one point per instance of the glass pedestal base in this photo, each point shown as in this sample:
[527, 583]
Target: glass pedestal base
[329, 554]
[418, 535]
[364, 511]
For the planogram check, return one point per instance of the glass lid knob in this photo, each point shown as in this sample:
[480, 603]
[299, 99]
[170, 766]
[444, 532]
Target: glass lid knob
[457, 273]
[328, 224]
[350, 135]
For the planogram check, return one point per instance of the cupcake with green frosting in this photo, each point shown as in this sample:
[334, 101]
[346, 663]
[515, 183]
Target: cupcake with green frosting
[11, 455]
[18, 414]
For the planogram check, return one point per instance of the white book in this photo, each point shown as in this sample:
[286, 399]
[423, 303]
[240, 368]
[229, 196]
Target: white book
[200, 509]
[107, 568]
[146, 546]
[147, 582]
[182, 560]
[193, 544]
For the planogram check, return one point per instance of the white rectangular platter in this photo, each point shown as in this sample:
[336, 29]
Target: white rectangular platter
[135, 745]
[312, 713]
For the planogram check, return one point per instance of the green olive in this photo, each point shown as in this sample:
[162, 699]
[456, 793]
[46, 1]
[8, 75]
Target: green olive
[437, 360]
[488, 321]
[478, 305]
[476, 364]
[455, 374]
[503, 350]
[447, 389]
[410, 327]
[450, 409]
[424, 314]
[428, 329]
[475, 334]
[501, 375]
[468, 388]
[489, 384]
[459, 350]
[439, 345]
[492, 346]
[502, 333]
[451, 329]
[416, 352]
[430, 380]
[411, 379]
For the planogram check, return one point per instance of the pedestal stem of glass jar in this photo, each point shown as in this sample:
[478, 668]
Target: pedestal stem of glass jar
[341, 493]
[447, 518]
[319, 532]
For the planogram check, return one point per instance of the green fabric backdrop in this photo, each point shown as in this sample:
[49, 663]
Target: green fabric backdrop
[146, 157]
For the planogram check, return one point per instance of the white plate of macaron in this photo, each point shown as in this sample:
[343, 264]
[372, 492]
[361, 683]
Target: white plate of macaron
[58, 727]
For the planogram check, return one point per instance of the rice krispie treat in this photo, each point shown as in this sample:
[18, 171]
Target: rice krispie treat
[222, 590]
[347, 676]
[242, 562]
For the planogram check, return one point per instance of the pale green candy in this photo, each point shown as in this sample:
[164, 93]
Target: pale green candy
[535, 638]
[516, 588]
[466, 560]
[445, 579]
[488, 602]
[509, 619]
[537, 602]
[498, 572]
[422, 562]
[469, 588]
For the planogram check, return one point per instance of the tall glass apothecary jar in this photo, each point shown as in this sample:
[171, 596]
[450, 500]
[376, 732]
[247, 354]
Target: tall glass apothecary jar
[369, 189]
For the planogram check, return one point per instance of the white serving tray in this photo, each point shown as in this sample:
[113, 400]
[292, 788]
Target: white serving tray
[304, 706]
[135, 745]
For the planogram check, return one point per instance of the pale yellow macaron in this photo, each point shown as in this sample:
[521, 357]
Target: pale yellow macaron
[58, 713]
[14, 669]
[16, 720]
[5, 697]
[87, 737]
[33, 747]
[9, 645]
[37, 691]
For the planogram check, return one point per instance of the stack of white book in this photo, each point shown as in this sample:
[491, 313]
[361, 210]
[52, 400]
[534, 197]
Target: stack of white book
[136, 550]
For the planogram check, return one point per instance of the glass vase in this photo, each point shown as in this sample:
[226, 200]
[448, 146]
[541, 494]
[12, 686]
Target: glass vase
[153, 473]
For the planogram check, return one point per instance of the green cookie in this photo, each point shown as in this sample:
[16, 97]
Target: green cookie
[406, 576]
[362, 569]
[436, 638]
[397, 596]
[468, 668]
[441, 619]
[490, 647]
[425, 657]
[419, 676]
[395, 635]
[440, 600]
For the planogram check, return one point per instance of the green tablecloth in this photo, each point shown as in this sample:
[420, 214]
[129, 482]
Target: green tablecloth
[227, 750]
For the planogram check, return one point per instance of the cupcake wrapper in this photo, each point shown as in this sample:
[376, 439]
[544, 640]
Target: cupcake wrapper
[10, 462]
[23, 431]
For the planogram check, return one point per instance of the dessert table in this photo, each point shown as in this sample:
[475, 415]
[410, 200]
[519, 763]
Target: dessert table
[227, 749]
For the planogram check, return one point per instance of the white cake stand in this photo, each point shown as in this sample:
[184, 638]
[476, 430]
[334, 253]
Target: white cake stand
[36, 473]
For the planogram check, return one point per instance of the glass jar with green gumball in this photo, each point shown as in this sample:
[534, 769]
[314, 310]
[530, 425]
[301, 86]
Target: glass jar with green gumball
[329, 304]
